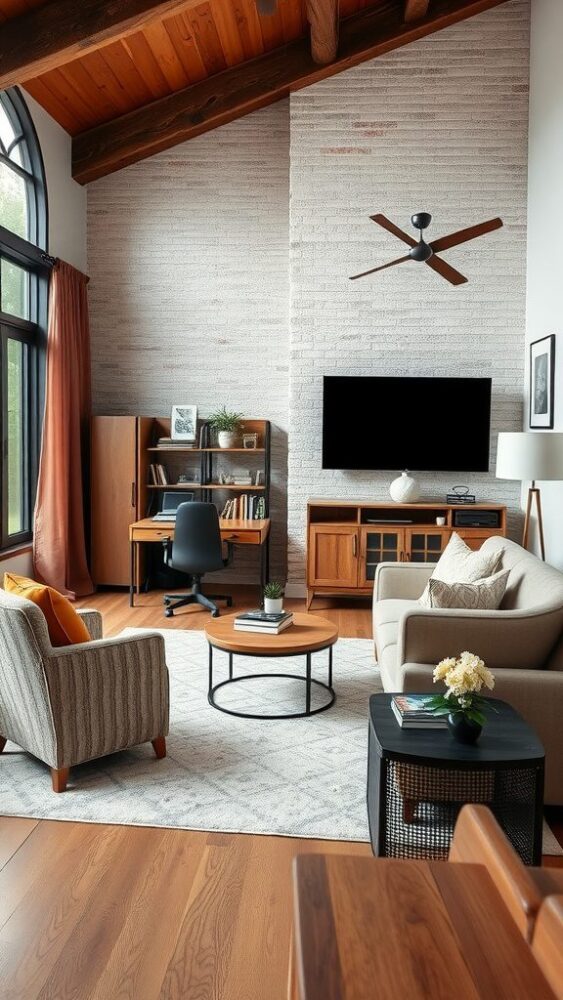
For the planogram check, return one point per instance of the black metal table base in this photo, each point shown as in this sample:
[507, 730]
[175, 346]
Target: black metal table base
[308, 680]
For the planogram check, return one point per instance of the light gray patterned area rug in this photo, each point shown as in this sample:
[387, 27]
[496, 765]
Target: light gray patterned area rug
[295, 777]
[298, 777]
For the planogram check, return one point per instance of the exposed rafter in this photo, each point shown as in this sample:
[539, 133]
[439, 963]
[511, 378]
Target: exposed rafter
[49, 36]
[252, 85]
[415, 9]
[324, 20]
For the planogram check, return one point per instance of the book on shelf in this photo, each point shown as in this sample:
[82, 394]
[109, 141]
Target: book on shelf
[262, 621]
[158, 475]
[247, 507]
[411, 712]
[168, 442]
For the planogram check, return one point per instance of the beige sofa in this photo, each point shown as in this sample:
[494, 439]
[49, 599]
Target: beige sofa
[522, 642]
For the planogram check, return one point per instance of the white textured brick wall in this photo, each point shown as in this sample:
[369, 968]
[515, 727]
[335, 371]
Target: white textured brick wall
[189, 291]
[441, 126]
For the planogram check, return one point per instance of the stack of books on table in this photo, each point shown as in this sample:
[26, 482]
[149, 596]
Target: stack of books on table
[411, 712]
[262, 621]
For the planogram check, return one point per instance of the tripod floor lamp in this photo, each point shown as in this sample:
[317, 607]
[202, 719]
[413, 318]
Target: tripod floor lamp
[531, 456]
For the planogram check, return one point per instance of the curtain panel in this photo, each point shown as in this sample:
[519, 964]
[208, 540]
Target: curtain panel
[59, 539]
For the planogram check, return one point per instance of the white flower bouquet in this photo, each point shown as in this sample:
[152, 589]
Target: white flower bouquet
[465, 678]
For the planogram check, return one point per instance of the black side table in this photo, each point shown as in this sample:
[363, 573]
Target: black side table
[418, 780]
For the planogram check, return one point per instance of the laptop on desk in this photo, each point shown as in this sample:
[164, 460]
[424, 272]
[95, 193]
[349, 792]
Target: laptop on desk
[170, 503]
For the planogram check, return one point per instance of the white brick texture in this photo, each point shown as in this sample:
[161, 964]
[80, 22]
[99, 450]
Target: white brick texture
[189, 290]
[440, 126]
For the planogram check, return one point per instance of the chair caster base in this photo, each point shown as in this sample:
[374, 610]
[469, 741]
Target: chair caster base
[168, 612]
[215, 614]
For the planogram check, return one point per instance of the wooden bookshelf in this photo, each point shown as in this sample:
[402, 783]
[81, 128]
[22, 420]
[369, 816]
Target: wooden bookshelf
[205, 463]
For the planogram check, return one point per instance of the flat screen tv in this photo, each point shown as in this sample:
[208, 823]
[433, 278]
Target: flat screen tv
[420, 424]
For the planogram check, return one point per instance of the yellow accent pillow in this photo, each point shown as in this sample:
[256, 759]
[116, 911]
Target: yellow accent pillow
[65, 626]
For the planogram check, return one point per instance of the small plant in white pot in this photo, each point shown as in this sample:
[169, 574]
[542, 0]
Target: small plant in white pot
[226, 425]
[273, 598]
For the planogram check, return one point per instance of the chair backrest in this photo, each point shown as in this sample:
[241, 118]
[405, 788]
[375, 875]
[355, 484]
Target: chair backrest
[478, 839]
[197, 544]
[547, 942]
[25, 708]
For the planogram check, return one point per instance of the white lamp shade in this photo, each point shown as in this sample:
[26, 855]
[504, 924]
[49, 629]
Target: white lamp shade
[530, 455]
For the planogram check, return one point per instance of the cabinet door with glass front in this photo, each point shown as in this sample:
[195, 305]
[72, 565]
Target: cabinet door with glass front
[425, 545]
[379, 544]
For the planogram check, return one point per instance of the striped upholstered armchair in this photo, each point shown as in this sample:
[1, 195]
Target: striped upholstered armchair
[70, 704]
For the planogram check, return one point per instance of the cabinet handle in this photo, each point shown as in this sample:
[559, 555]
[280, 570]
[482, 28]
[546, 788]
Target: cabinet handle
[133, 495]
[354, 545]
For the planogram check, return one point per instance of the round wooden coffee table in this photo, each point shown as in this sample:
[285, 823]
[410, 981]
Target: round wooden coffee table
[308, 634]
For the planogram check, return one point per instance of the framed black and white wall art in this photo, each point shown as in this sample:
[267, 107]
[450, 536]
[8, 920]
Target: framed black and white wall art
[183, 424]
[542, 382]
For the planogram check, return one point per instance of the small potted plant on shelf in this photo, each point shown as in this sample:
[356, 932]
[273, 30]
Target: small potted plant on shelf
[226, 425]
[463, 703]
[273, 598]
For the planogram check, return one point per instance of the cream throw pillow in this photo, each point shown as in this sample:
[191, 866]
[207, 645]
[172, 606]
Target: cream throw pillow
[483, 595]
[460, 564]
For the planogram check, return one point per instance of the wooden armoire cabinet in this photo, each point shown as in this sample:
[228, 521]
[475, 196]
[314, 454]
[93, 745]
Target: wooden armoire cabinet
[118, 475]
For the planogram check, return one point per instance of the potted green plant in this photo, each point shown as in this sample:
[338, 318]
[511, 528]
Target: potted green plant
[226, 424]
[273, 598]
[463, 703]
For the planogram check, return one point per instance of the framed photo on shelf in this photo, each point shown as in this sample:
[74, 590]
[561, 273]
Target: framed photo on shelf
[542, 382]
[183, 423]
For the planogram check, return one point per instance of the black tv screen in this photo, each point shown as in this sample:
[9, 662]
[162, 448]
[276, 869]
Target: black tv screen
[423, 424]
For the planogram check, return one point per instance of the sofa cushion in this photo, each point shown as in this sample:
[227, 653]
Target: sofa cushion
[531, 583]
[460, 564]
[65, 626]
[386, 617]
[483, 595]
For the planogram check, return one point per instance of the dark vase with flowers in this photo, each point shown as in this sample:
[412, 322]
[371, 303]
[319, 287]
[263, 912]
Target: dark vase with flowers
[462, 729]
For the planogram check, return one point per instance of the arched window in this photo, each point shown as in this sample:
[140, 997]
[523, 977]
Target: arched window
[24, 267]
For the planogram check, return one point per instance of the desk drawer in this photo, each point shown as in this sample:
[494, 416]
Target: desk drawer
[152, 534]
[241, 537]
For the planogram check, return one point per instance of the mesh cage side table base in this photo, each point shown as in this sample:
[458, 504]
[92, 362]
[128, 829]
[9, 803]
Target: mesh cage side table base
[418, 780]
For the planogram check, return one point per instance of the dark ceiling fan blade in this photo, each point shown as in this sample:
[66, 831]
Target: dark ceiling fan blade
[463, 235]
[447, 272]
[381, 268]
[386, 223]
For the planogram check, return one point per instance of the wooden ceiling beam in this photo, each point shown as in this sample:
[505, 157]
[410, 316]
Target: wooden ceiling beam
[47, 37]
[415, 9]
[253, 85]
[324, 20]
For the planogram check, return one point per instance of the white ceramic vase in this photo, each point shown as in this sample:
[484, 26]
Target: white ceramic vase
[227, 439]
[404, 489]
[273, 605]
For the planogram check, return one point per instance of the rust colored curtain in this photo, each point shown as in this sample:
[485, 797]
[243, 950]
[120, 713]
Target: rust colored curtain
[59, 542]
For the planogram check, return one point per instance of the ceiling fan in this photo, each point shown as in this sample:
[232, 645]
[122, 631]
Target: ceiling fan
[426, 252]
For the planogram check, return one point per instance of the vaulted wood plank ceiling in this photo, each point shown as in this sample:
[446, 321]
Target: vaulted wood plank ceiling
[127, 79]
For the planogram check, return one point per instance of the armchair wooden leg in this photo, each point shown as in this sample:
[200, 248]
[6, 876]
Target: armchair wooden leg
[3, 742]
[59, 778]
[159, 745]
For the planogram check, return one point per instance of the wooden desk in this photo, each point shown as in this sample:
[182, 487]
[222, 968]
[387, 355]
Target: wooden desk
[232, 532]
[379, 929]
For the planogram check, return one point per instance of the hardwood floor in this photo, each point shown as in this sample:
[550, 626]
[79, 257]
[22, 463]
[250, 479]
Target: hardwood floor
[353, 617]
[94, 912]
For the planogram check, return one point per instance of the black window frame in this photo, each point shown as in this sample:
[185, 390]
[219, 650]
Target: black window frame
[30, 254]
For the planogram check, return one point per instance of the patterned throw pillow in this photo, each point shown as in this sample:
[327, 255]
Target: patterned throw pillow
[460, 564]
[483, 595]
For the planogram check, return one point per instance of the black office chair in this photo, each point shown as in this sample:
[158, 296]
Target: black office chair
[196, 549]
